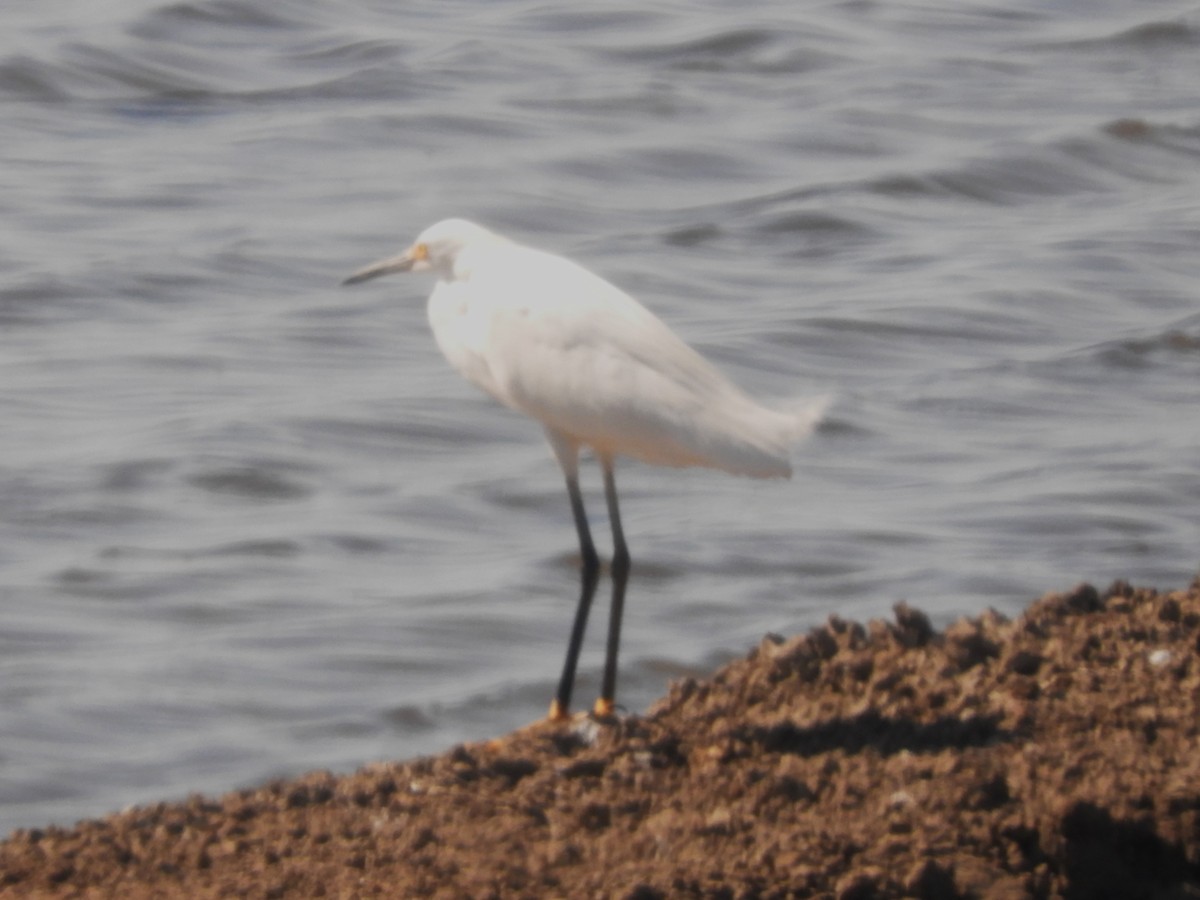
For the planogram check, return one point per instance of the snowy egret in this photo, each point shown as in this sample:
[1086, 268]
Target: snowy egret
[548, 338]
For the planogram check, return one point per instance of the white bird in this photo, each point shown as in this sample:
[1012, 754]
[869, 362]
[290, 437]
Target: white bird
[550, 339]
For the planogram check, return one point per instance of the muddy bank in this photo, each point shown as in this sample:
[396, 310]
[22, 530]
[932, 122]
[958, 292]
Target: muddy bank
[1056, 754]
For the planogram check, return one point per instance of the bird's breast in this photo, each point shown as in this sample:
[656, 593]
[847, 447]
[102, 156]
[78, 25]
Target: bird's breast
[462, 327]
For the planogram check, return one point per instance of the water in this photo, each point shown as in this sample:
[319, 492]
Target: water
[251, 524]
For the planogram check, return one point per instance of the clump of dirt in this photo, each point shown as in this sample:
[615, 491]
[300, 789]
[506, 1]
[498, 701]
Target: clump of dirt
[1055, 755]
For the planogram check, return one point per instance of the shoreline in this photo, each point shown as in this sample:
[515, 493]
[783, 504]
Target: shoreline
[1054, 754]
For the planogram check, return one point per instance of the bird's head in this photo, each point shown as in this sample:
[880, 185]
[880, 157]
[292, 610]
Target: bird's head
[435, 250]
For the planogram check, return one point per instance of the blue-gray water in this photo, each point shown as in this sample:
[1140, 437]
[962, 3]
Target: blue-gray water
[252, 524]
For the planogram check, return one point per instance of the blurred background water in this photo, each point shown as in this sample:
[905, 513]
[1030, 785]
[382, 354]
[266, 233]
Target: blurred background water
[251, 524]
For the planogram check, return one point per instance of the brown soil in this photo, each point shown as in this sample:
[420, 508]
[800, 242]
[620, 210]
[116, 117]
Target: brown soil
[1052, 756]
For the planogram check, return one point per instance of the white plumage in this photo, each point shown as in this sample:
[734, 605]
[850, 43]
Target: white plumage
[548, 338]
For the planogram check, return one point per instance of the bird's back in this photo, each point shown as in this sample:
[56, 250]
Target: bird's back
[558, 343]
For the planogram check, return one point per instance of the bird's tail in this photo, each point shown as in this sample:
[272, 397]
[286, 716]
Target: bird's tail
[806, 415]
[758, 442]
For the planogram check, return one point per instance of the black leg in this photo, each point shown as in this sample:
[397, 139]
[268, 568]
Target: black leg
[588, 576]
[620, 576]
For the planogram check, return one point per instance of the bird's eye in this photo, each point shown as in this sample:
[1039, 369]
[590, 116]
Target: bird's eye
[420, 252]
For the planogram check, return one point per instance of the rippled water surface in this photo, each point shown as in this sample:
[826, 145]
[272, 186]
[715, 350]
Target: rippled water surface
[252, 524]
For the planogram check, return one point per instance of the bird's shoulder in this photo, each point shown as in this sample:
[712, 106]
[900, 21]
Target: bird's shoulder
[560, 316]
[529, 280]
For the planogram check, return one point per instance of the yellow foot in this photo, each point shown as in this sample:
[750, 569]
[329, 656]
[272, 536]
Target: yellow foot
[604, 708]
[557, 712]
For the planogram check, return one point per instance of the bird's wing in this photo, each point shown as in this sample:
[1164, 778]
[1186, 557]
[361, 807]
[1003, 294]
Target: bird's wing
[586, 359]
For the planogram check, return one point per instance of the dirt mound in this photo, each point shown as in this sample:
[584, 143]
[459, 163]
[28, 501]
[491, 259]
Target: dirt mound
[1054, 755]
